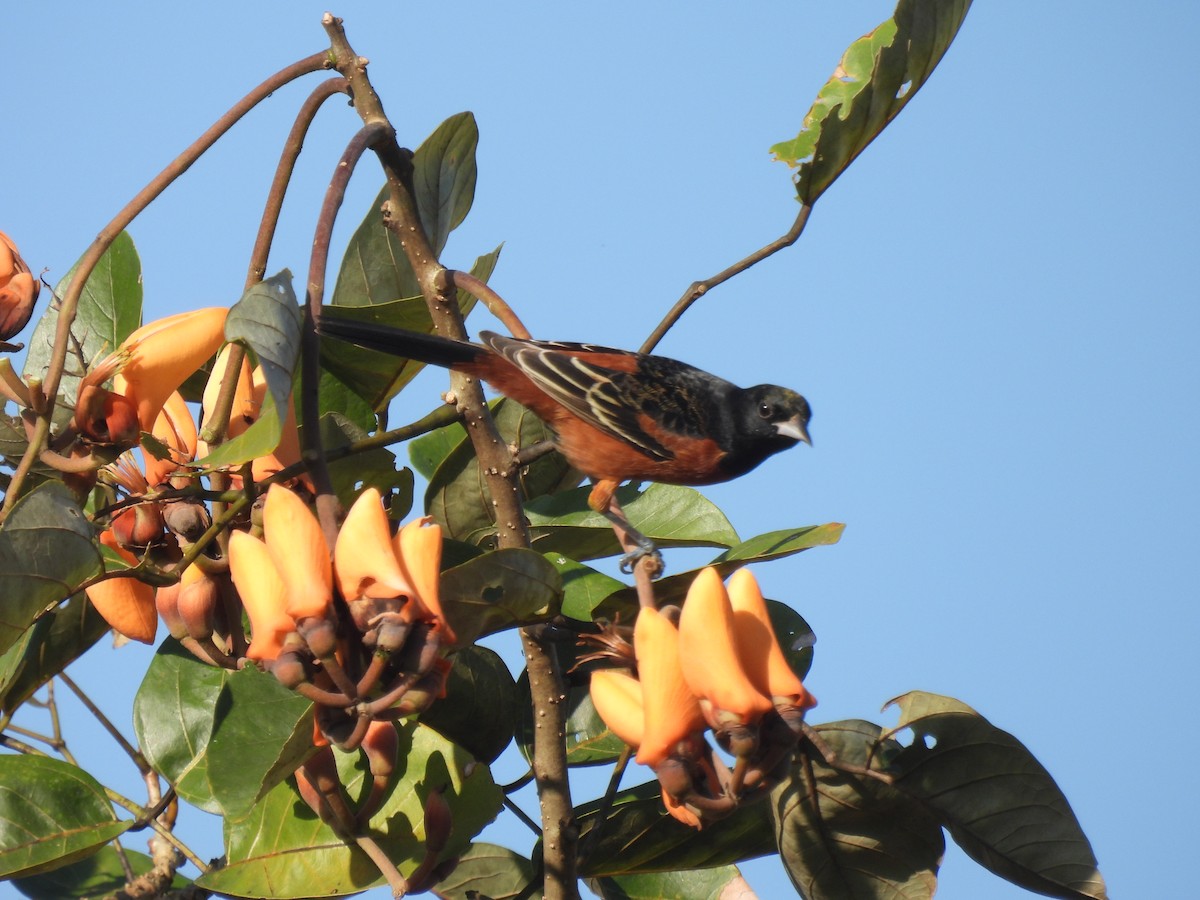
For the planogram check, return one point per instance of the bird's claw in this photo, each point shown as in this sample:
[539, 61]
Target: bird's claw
[654, 565]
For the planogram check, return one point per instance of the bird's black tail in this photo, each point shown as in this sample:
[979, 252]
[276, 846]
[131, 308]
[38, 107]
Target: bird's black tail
[426, 348]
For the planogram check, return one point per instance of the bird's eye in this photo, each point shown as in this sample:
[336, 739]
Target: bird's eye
[766, 410]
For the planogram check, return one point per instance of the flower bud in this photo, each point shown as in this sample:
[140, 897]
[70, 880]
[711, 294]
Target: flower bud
[758, 648]
[617, 696]
[298, 549]
[18, 290]
[672, 712]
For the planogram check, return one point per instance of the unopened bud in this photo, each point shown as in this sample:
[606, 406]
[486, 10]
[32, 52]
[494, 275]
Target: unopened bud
[18, 290]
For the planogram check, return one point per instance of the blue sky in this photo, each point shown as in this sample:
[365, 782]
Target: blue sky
[993, 312]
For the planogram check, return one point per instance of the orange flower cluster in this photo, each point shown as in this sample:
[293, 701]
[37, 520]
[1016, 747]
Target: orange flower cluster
[720, 668]
[18, 289]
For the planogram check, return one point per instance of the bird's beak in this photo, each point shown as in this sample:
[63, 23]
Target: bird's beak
[795, 429]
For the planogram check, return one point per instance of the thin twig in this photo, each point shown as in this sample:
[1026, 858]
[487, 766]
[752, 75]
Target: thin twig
[606, 802]
[522, 815]
[132, 752]
[698, 289]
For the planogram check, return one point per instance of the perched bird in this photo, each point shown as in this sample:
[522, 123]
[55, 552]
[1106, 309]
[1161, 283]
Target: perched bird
[616, 415]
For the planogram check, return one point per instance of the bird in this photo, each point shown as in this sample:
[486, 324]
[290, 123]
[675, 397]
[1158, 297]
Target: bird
[616, 415]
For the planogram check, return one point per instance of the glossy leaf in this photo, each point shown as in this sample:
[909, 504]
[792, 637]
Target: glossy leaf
[429, 450]
[99, 875]
[720, 883]
[773, 545]
[222, 738]
[48, 646]
[487, 870]
[639, 836]
[584, 588]
[878, 75]
[267, 321]
[377, 377]
[110, 308]
[46, 552]
[480, 707]
[51, 813]
[996, 800]
[373, 468]
[337, 397]
[863, 839]
[444, 176]
[499, 590]
[670, 515]
[282, 850]
[458, 496]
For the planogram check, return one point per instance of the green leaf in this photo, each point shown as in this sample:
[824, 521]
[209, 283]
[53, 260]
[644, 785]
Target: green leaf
[444, 177]
[372, 468]
[337, 397]
[668, 514]
[261, 732]
[697, 884]
[878, 75]
[430, 450]
[51, 814]
[863, 839]
[773, 545]
[51, 644]
[46, 552]
[458, 496]
[99, 875]
[267, 321]
[499, 590]
[639, 836]
[486, 870]
[110, 308]
[584, 588]
[282, 850]
[480, 707]
[378, 377]
[997, 801]
[173, 717]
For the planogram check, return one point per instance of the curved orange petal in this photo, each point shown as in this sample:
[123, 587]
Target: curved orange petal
[364, 559]
[617, 696]
[680, 812]
[709, 655]
[163, 354]
[758, 648]
[176, 429]
[298, 549]
[263, 593]
[672, 711]
[419, 549]
[126, 603]
[8, 256]
[245, 409]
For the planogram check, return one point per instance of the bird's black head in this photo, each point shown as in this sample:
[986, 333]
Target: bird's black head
[769, 418]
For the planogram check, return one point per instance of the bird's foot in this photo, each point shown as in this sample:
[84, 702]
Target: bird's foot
[647, 552]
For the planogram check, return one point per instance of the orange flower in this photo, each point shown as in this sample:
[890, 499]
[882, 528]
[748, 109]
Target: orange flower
[364, 559]
[18, 289]
[263, 593]
[419, 548]
[175, 428]
[244, 411]
[759, 650]
[671, 710]
[709, 656]
[160, 356]
[126, 603]
[298, 549]
[617, 696]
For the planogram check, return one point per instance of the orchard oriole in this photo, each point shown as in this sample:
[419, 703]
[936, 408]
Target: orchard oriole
[616, 415]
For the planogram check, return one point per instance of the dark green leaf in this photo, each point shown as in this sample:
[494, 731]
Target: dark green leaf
[670, 515]
[53, 642]
[99, 875]
[499, 590]
[480, 707]
[997, 801]
[110, 308]
[698, 884]
[51, 814]
[429, 450]
[444, 177]
[173, 718]
[878, 75]
[863, 839]
[639, 836]
[773, 545]
[487, 870]
[337, 397]
[261, 732]
[583, 587]
[46, 552]
[267, 321]
[282, 850]
[458, 497]
[372, 468]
